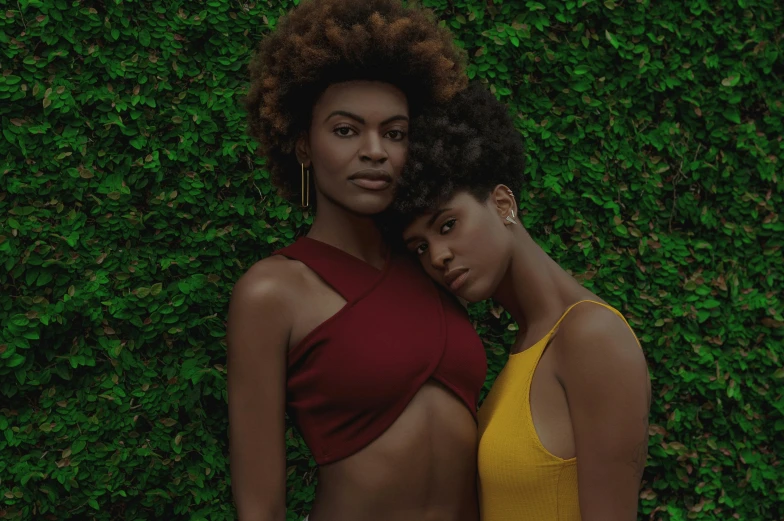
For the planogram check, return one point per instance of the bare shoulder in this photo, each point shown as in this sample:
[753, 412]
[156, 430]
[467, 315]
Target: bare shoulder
[270, 281]
[263, 306]
[594, 334]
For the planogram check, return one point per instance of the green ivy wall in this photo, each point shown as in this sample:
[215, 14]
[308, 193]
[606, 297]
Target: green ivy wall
[130, 200]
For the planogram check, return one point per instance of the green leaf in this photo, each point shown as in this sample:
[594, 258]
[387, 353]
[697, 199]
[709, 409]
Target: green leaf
[15, 360]
[611, 38]
[20, 320]
[72, 239]
[78, 446]
[24, 210]
[44, 278]
[732, 115]
[731, 81]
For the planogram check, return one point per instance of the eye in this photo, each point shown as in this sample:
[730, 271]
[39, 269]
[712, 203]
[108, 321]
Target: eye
[344, 131]
[397, 135]
[447, 226]
[421, 249]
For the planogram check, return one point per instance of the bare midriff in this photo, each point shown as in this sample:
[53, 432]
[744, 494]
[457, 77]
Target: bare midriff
[423, 468]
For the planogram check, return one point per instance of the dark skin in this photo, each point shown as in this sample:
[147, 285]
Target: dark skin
[590, 394]
[424, 466]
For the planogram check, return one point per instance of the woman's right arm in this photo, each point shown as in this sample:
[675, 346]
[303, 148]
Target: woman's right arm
[259, 326]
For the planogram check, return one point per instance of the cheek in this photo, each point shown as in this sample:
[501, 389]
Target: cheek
[397, 155]
[489, 244]
[433, 273]
[329, 154]
[483, 235]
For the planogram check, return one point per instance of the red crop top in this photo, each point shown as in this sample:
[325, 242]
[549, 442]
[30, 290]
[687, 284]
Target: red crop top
[352, 376]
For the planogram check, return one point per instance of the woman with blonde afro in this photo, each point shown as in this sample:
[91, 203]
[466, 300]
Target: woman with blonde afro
[378, 369]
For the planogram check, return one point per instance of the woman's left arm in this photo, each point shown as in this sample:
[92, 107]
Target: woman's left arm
[603, 371]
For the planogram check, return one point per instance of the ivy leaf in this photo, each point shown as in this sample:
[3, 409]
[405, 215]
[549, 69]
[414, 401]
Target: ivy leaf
[611, 38]
[78, 446]
[15, 360]
[732, 115]
[144, 37]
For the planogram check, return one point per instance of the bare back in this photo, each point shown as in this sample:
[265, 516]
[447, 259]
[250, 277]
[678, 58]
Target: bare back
[422, 467]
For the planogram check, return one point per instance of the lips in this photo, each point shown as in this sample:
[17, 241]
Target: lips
[373, 180]
[455, 278]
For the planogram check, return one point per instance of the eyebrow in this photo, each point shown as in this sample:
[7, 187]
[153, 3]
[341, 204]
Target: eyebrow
[361, 120]
[430, 222]
[436, 216]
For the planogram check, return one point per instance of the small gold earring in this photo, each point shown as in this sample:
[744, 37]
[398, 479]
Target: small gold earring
[305, 194]
[510, 219]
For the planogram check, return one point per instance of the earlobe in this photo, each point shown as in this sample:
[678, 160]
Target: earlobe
[302, 150]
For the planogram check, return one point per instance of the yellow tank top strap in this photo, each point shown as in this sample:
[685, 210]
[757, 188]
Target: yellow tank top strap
[554, 329]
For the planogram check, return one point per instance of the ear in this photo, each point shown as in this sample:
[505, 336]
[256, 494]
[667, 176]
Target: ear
[302, 149]
[503, 200]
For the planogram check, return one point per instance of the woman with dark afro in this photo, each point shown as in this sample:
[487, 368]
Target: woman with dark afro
[376, 367]
[563, 431]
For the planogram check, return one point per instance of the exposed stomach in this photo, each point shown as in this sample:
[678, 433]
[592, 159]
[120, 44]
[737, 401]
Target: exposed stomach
[423, 468]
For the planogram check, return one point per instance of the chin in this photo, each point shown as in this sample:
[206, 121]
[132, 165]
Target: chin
[370, 204]
[475, 292]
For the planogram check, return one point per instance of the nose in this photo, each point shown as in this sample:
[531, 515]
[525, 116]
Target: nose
[440, 256]
[373, 148]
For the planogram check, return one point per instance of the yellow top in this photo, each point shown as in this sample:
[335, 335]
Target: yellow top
[518, 478]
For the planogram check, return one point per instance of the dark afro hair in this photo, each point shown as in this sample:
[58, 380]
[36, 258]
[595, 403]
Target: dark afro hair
[322, 42]
[468, 144]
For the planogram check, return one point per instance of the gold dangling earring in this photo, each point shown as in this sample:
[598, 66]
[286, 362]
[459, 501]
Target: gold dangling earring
[305, 194]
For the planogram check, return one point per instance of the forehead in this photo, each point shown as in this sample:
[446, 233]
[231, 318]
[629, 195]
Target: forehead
[461, 203]
[365, 98]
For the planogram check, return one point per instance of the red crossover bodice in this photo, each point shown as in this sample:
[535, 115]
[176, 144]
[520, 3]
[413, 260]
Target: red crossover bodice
[353, 375]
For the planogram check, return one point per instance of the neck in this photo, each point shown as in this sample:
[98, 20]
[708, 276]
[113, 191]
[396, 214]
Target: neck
[535, 290]
[355, 234]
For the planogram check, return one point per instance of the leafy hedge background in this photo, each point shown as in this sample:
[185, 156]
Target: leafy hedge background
[130, 200]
